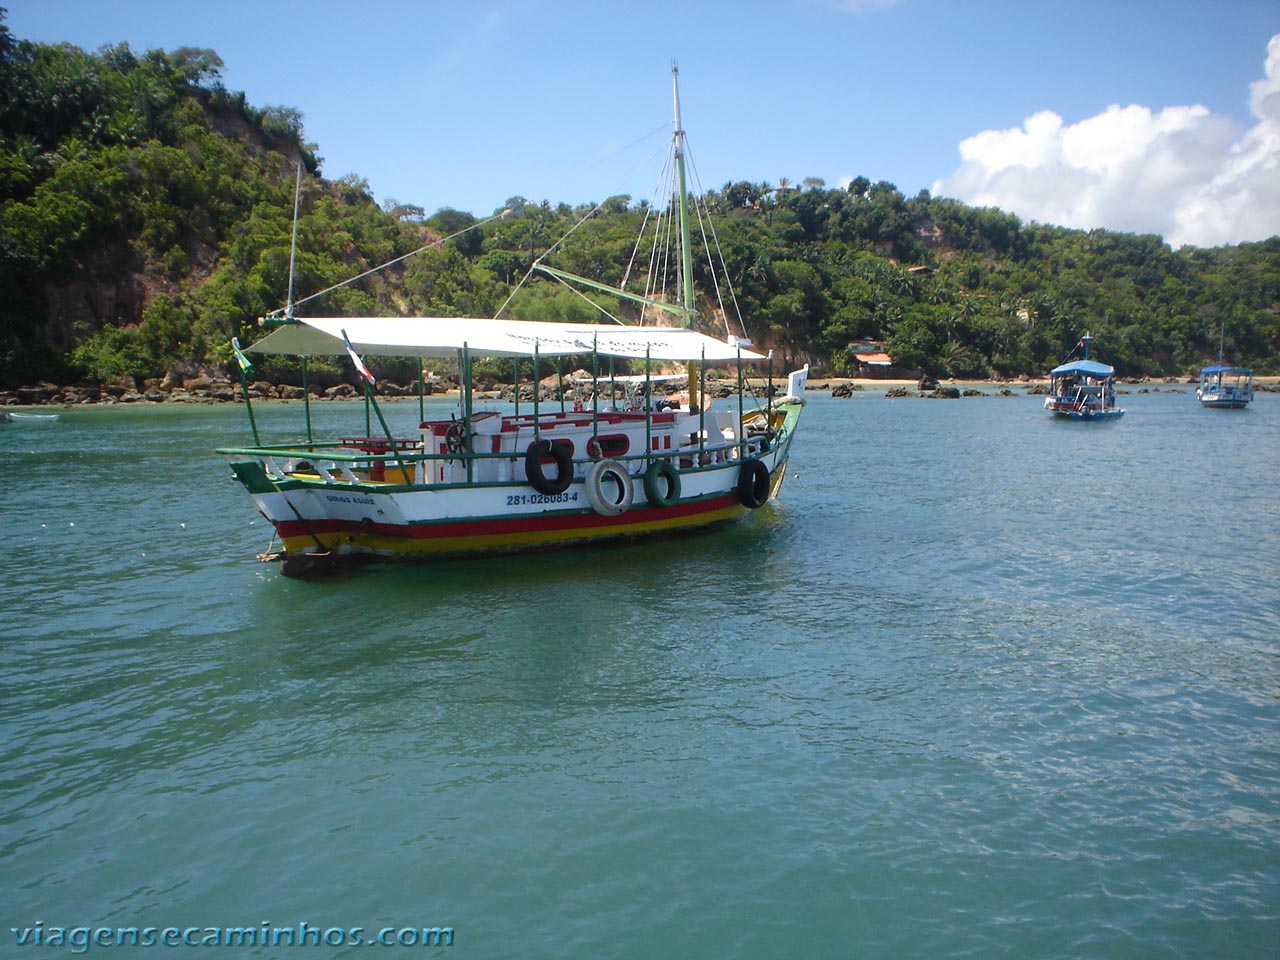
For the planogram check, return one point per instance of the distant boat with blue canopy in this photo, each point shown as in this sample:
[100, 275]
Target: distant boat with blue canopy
[1083, 389]
[1223, 386]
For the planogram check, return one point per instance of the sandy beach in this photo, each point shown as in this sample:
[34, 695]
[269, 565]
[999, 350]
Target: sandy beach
[225, 390]
[994, 386]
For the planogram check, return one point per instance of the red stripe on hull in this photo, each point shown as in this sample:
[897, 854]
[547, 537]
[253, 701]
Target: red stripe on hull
[514, 525]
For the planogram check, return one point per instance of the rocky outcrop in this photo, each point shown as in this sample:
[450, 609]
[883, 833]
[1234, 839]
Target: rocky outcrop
[199, 387]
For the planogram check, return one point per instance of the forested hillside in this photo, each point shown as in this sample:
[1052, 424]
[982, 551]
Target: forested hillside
[146, 211]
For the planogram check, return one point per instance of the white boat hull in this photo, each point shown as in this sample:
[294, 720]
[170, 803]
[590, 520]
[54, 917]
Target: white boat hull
[335, 509]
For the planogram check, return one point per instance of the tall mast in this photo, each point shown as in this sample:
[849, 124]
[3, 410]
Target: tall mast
[293, 244]
[686, 254]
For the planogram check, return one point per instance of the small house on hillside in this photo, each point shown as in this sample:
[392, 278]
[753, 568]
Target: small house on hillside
[870, 358]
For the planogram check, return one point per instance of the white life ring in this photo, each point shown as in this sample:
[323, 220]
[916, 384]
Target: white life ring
[603, 500]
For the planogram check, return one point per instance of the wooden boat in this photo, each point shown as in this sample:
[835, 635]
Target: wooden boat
[492, 479]
[1083, 389]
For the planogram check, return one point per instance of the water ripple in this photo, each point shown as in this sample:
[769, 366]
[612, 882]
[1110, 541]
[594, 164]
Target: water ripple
[976, 710]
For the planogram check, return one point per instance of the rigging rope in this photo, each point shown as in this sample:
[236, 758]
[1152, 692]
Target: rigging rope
[595, 305]
[659, 267]
[663, 175]
[719, 254]
[426, 246]
[606, 159]
[288, 309]
[660, 252]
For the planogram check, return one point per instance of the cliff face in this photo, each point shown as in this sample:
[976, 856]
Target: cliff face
[126, 181]
[113, 294]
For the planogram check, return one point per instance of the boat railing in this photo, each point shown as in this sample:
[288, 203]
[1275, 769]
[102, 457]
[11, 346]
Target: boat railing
[356, 461]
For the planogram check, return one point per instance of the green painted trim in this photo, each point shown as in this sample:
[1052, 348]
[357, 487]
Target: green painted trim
[296, 483]
[254, 478]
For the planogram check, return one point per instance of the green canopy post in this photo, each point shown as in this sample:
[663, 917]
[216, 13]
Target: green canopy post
[595, 388]
[245, 367]
[648, 407]
[769, 401]
[370, 402]
[306, 398]
[468, 401]
[742, 440]
[702, 404]
[536, 390]
[248, 405]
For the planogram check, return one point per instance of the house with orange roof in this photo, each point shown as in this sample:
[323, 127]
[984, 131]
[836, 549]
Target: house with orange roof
[871, 358]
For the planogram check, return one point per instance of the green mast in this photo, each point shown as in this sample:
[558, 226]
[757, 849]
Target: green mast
[686, 255]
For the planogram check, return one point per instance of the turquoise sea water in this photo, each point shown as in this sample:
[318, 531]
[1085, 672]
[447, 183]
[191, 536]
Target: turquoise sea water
[982, 684]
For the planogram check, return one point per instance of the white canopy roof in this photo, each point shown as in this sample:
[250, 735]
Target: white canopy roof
[444, 336]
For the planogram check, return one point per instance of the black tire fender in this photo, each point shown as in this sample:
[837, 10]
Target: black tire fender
[533, 467]
[753, 483]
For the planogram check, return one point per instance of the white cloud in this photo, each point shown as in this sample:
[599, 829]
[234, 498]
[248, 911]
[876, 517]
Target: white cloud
[1184, 172]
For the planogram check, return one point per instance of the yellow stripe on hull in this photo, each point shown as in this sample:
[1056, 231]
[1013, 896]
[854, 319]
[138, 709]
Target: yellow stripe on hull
[390, 545]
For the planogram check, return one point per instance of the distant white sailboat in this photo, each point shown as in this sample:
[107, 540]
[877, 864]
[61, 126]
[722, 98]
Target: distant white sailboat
[1224, 387]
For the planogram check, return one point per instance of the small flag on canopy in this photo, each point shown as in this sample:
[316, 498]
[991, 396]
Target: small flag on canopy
[361, 369]
[246, 367]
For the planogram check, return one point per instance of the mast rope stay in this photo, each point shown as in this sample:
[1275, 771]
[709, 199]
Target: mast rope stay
[700, 209]
[660, 255]
[605, 159]
[593, 304]
[664, 175]
[293, 242]
[516, 209]
[288, 311]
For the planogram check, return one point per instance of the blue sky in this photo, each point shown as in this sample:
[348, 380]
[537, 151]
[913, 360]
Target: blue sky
[1153, 116]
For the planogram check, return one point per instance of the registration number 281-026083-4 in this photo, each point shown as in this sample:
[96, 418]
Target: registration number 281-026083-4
[525, 499]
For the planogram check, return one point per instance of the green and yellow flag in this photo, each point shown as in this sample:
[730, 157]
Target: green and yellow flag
[246, 367]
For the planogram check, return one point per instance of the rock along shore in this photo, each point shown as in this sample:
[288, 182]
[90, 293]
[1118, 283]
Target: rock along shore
[214, 388]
